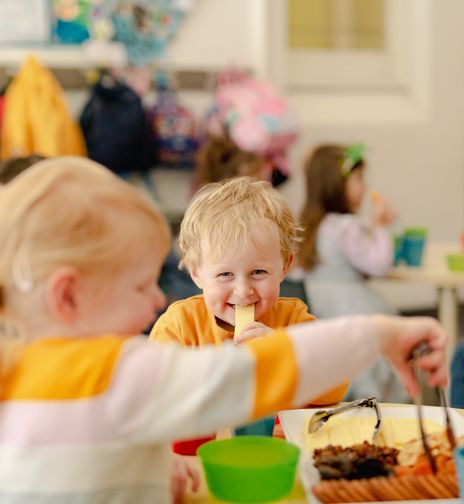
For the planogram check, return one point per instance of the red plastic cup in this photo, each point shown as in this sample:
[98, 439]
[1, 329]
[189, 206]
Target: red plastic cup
[190, 446]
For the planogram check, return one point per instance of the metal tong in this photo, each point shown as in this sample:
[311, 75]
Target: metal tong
[320, 417]
[420, 350]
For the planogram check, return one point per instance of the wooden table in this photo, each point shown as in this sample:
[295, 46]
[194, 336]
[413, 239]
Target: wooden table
[434, 271]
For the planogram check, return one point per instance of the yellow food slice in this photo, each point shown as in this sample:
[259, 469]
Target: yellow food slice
[243, 315]
[339, 435]
[394, 432]
[375, 196]
[405, 429]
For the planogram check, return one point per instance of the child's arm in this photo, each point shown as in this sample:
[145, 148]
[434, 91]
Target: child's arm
[333, 396]
[182, 472]
[370, 253]
[300, 314]
[162, 392]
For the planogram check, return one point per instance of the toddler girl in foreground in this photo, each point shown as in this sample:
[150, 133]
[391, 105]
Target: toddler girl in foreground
[88, 409]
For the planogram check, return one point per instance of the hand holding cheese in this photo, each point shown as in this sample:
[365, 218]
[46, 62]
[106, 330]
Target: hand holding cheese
[251, 331]
[383, 213]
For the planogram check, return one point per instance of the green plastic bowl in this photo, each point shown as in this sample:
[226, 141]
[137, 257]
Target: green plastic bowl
[455, 262]
[249, 468]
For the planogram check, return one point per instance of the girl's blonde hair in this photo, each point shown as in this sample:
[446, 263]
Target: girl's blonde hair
[71, 211]
[325, 192]
[225, 213]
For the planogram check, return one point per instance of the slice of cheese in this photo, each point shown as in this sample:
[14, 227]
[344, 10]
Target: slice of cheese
[243, 315]
[375, 196]
[394, 432]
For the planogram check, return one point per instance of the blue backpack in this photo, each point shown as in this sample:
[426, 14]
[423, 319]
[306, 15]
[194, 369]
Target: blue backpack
[115, 127]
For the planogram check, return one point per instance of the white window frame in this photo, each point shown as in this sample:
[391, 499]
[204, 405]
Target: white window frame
[356, 85]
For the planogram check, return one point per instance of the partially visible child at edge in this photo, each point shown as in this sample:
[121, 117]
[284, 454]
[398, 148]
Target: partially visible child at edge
[10, 169]
[220, 158]
[247, 132]
[238, 239]
[81, 254]
[339, 251]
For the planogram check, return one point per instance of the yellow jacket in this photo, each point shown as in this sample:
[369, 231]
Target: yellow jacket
[36, 119]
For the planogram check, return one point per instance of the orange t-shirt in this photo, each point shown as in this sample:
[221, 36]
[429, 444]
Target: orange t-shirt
[189, 323]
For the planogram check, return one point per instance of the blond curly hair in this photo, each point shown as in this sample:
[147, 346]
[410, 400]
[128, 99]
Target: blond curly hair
[228, 212]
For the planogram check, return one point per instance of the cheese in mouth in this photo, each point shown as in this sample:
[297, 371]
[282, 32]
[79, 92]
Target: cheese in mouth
[243, 315]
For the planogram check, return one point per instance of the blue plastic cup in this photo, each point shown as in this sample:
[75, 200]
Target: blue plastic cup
[459, 461]
[413, 246]
[263, 427]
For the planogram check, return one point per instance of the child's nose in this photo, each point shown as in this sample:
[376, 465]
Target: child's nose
[159, 299]
[243, 289]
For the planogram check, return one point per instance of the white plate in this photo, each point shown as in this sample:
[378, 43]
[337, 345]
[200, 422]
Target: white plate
[292, 422]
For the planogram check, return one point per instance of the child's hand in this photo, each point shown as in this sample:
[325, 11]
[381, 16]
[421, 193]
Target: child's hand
[382, 212]
[398, 338]
[252, 330]
[181, 471]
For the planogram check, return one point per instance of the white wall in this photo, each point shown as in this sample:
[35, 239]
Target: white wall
[417, 163]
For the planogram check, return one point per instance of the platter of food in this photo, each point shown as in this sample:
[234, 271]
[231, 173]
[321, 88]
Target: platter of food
[343, 461]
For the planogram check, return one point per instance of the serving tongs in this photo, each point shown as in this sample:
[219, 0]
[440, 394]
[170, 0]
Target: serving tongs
[320, 417]
[420, 350]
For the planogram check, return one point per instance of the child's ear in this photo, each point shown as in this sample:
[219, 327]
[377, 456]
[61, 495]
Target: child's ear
[61, 294]
[195, 277]
[287, 267]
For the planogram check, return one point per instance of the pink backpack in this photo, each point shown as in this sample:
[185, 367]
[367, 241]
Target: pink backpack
[256, 117]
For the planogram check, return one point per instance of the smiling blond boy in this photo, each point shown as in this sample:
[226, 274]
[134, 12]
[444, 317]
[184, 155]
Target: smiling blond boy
[237, 240]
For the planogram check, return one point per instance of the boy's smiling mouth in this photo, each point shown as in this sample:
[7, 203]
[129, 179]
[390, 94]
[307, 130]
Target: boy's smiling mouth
[234, 305]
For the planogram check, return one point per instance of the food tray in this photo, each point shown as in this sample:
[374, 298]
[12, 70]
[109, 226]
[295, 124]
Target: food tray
[292, 422]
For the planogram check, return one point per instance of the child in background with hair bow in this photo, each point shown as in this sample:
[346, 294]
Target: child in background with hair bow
[339, 250]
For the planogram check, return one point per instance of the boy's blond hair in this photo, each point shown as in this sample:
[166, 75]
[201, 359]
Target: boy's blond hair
[225, 213]
[71, 211]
